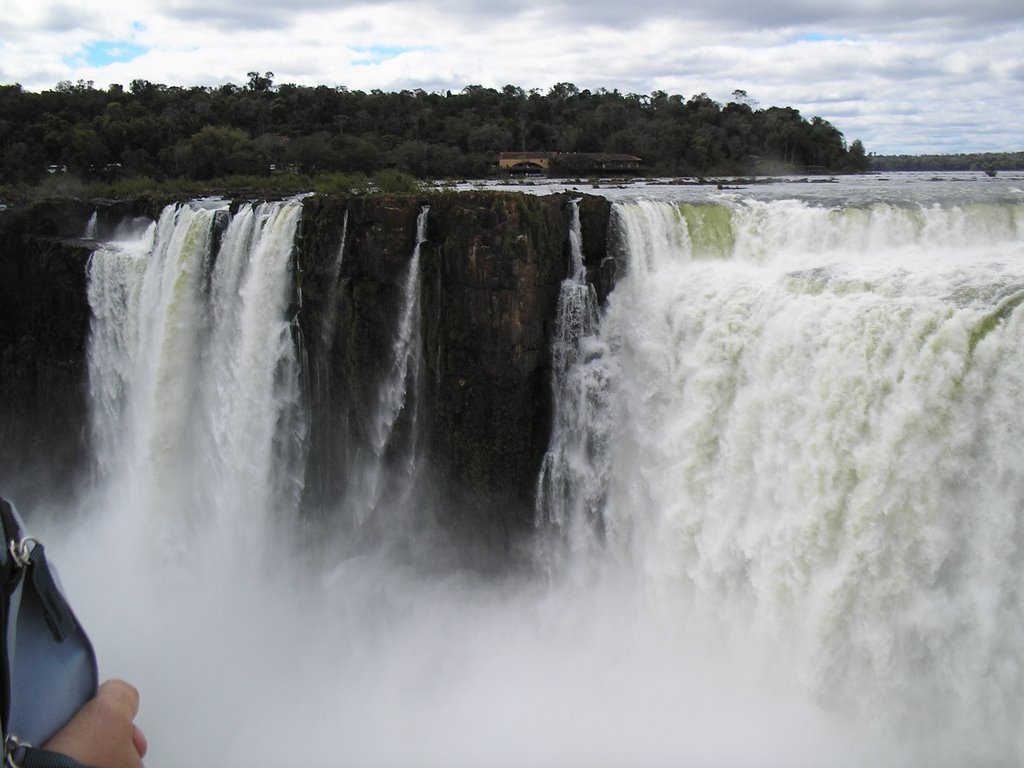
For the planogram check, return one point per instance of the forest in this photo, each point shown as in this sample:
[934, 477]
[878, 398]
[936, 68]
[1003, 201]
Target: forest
[160, 132]
[987, 161]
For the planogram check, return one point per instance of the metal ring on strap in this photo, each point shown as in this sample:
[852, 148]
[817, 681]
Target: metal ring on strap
[11, 743]
[21, 551]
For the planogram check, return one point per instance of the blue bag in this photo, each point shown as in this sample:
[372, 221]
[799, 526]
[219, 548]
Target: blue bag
[48, 669]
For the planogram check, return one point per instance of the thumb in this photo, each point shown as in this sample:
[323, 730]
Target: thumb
[119, 697]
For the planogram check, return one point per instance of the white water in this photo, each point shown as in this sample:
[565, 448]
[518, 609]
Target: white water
[569, 488]
[818, 451]
[328, 326]
[194, 374]
[396, 394]
[804, 511]
[90, 227]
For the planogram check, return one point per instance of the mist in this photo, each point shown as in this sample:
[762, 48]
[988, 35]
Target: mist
[262, 658]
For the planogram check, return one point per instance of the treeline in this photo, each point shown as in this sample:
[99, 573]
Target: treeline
[986, 161]
[169, 132]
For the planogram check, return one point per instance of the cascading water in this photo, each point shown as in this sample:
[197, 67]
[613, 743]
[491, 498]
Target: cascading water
[406, 350]
[392, 458]
[569, 488]
[252, 396]
[786, 455]
[90, 227]
[818, 445]
[329, 322]
[193, 370]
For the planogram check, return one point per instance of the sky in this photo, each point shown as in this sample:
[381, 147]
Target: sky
[903, 76]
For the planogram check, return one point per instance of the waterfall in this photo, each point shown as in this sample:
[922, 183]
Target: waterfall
[393, 453]
[90, 227]
[253, 368]
[329, 323]
[778, 519]
[406, 349]
[818, 447]
[193, 371]
[115, 274]
[569, 488]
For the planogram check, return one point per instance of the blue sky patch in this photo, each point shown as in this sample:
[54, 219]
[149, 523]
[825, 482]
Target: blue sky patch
[104, 52]
[817, 37]
[375, 54]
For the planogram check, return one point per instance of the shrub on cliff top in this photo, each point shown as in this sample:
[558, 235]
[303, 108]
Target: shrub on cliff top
[395, 182]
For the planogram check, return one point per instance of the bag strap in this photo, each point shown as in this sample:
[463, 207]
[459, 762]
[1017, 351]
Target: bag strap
[26, 756]
[12, 532]
[18, 556]
[10, 573]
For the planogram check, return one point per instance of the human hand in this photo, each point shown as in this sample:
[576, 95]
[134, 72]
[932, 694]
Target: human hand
[102, 734]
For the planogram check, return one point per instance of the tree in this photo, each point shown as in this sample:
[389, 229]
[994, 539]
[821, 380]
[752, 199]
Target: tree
[313, 153]
[20, 162]
[158, 130]
[563, 91]
[260, 83]
[217, 151]
[857, 159]
[740, 96]
[488, 138]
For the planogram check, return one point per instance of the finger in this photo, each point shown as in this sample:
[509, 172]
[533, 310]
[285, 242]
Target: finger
[139, 740]
[120, 696]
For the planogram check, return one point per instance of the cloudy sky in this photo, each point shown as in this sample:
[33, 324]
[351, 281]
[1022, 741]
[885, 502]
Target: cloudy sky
[904, 76]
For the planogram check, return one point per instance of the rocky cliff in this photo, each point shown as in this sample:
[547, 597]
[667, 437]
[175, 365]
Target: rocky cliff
[44, 323]
[491, 266]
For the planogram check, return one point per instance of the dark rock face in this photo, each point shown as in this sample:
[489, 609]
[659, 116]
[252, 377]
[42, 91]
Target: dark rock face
[351, 296]
[491, 266]
[490, 288]
[44, 327]
[602, 267]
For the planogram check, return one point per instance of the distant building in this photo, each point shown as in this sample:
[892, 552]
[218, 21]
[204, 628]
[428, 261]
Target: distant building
[609, 163]
[525, 162]
[588, 163]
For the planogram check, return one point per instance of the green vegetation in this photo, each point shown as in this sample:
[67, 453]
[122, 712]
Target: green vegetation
[272, 135]
[388, 181]
[990, 162]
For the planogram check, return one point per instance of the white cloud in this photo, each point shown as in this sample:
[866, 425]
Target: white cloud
[914, 76]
